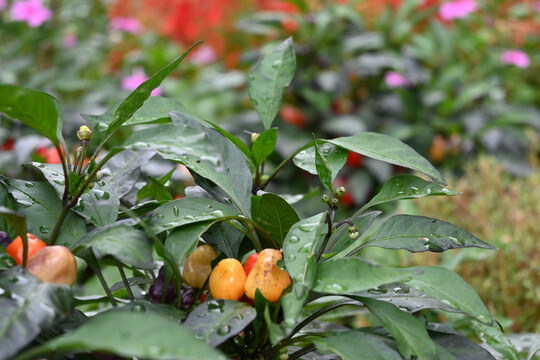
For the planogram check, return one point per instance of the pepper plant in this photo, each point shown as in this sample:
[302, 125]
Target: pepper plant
[99, 210]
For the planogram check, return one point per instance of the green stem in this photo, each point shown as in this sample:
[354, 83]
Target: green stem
[283, 163]
[24, 238]
[94, 265]
[303, 351]
[58, 225]
[125, 280]
[326, 237]
[336, 238]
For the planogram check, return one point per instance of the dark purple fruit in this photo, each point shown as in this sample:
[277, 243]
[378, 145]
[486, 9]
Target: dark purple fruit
[5, 239]
[188, 295]
[157, 288]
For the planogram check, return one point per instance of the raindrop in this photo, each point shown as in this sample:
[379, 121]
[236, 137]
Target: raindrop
[484, 319]
[154, 350]
[414, 189]
[224, 330]
[291, 257]
[456, 241]
[254, 102]
[217, 213]
[306, 248]
[138, 308]
[294, 239]
[433, 220]
[277, 63]
[106, 196]
[251, 77]
[307, 227]
[59, 182]
[29, 185]
[41, 166]
[448, 303]
[334, 288]
[424, 239]
[25, 203]
[101, 127]
[44, 229]
[398, 183]
[176, 211]
[159, 216]
[198, 336]
[189, 218]
[201, 315]
[239, 317]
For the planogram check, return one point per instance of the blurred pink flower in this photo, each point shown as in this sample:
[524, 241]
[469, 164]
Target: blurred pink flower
[3, 4]
[131, 82]
[127, 24]
[394, 79]
[457, 9]
[515, 57]
[69, 40]
[204, 55]
[31, 11]
[537, 6]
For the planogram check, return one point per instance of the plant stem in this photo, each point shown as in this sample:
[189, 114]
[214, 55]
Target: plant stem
[303, 351]
[94, 265]
[326, 237]
[336, 238]
[59, 223]
[125, 280]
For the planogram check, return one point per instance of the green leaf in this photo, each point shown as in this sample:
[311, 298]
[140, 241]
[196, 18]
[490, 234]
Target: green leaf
[269, 79]
[27, 307]
[183, 240]
[323, 168]
[419, 233]
[410, 334]
[128, 334]
[137, 98]
[357, 345]
[456, 344]
[225, 237]
[494, 337]
[449, 288]
[122, 241]
[7, 201]
[299, 251]
[276, 217]
[156, 189]
[155, 110]
[122, 171]
[35, 108]
[406, 187]
[215, 321]
[40, 204]
[186, 211]
[16, 220]
[335, 156]
[264, 146]
[388, 149]
[350, 275]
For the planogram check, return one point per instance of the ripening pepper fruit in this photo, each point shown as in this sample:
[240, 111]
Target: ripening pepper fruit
[54, 264]
[155, 292]
[199, 265]
[267, 276]
[227, 280]
[250, 263]
[15, 249]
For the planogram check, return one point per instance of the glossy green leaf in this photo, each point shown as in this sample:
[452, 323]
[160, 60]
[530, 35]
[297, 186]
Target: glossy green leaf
[357, 345]
[276, 217]
[130, 334]
[183, 240]
[495, 338]
[336, 158]
[264, 146]
[350, 275]
[137, 98]
[457, 344]
[186, 211]
[7, 201]
[324, 171]
[40, 204]
[122, 171]
[156, 189]
[122, 241]
[269, 80]
[14, 219]
[27, 307]
[226, 238]
[449, 288]
[388, 149]
[215, 321]
[154, 110]
[410, 334]
[35, 108]
[419, 233]
[299, 251]
[406, 187]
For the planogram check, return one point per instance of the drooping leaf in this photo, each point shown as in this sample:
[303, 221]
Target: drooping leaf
[269, 79]
[122, 241]
[264, 145]
[276, 217]
[457, 344]
[357, 345]
[449, 288]
[388, 149]
[419, 233]
[35, 108]
[350, 275]
[137, 98]
[215, 321]
[494, 337]
[299, 251]
[40, 204]
[335, 156]
[186, 211]
[130, 334]
[7, 201]
[183, 240]
[406, 187]
[324, 171]
[28, 306]
[410, 334]
[122, 171]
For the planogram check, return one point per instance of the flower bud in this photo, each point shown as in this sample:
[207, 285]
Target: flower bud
[353, 233]
[84, 133]
[335, 202]
[340, 191]
[325, 198]
[254, 137]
